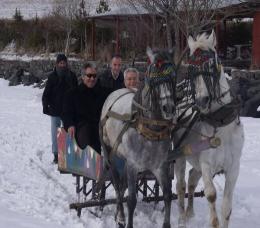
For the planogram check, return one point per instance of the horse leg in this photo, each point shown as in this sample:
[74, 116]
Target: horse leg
[131, 199]
[165, 183]
[231, 178]
[120, 215]
[210, 193]
[194, 177]
[180, 167]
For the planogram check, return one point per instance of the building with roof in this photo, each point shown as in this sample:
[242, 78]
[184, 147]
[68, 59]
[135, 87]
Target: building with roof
[145, 29]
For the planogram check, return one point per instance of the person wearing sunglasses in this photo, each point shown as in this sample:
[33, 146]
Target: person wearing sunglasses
[82, 109]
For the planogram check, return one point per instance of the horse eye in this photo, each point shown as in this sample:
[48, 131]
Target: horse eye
[206, 99]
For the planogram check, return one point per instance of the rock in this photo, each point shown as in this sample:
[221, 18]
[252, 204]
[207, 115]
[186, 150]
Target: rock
[28, 78]
[16, 78]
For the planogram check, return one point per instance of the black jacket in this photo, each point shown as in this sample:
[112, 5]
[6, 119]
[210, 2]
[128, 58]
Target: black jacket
[55, 89]
[107, 80]
[83, 105]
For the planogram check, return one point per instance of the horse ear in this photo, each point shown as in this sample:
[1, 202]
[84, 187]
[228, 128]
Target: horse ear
[191, 44]
[150, 54]
[213, 39]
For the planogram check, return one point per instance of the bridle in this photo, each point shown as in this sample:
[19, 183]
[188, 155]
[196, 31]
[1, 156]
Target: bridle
[154, 128]
[207, 65]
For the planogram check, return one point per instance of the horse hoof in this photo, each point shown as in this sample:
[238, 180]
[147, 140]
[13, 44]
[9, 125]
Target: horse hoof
[166, 225]
[181, 226]
[190, 214]
[128, 226]
[120, 225]
[181, 223]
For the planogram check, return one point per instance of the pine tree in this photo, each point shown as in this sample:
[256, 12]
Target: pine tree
[17, 16]
[103, 7]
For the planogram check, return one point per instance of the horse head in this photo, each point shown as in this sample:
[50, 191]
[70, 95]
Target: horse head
[209, 86]
[159, 85]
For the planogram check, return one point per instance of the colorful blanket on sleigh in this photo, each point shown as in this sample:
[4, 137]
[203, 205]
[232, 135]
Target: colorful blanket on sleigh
[72, 159]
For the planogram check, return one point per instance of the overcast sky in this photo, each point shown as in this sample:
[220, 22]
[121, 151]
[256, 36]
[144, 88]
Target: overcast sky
[29, 8]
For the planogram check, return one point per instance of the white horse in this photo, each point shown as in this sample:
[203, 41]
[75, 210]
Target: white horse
[145, 145]
[219, 118]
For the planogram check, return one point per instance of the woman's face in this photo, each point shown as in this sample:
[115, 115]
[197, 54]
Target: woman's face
[131, 80]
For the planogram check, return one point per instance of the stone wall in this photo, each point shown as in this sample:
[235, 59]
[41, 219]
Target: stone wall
[246, 84]
[35, 71]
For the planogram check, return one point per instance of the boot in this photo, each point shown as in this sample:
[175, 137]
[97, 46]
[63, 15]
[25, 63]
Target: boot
[55, 160]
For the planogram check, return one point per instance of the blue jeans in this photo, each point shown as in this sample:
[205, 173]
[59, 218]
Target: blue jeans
[55, 123]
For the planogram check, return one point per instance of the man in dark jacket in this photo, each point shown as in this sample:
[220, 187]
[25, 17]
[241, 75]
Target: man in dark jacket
[113, 78]
[82, 109]
[59, 81]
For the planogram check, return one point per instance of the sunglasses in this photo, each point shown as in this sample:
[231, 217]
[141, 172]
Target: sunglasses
[91, 75]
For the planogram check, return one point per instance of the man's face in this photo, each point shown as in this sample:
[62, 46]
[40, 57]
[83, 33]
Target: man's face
[116, 65]
[90, 77]
[62, 64]
[131, 80]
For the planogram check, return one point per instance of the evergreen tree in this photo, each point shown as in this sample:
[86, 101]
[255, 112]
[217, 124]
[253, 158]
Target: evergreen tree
[103, 7]
[18, 16]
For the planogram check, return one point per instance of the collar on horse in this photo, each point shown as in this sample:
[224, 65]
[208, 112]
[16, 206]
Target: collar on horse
[223, 116]
[146, 126]
[151, 129]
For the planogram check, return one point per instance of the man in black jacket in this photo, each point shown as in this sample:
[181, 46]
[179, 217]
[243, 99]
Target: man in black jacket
[113, 78]
[59, 81]
[82, 109]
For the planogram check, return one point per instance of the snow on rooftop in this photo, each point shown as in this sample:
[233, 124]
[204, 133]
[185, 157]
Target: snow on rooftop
[120, 9]
[126, 9]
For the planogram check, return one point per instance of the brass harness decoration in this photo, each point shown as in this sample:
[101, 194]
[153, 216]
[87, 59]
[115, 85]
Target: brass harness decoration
[143, 127]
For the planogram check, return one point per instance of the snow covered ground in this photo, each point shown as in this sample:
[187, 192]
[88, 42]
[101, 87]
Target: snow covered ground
[34, 194]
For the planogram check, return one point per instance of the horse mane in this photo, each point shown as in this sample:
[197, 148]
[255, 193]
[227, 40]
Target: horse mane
[202, 41]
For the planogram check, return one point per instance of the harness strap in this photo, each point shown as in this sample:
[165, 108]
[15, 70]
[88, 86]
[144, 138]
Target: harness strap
[152, 135]
[223, 116]
[181, 119]
[101, 125]
[119, 137]
[135, 103]
[187, 130]
[160, 123]
[124, 117]
[195, 148]
[104, 120]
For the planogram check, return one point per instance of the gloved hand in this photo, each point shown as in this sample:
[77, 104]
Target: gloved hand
[46, 110]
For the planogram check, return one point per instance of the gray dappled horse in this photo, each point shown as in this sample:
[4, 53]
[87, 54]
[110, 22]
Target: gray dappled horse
[218, 117]
[145, 142]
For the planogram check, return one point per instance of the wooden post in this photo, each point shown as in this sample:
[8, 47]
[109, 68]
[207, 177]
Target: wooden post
[256, 41]
[218, 35]
[117, 35]
[224, 38]
[93, 40]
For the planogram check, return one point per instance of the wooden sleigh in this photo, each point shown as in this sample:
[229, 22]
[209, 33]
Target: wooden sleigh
[88, 167]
